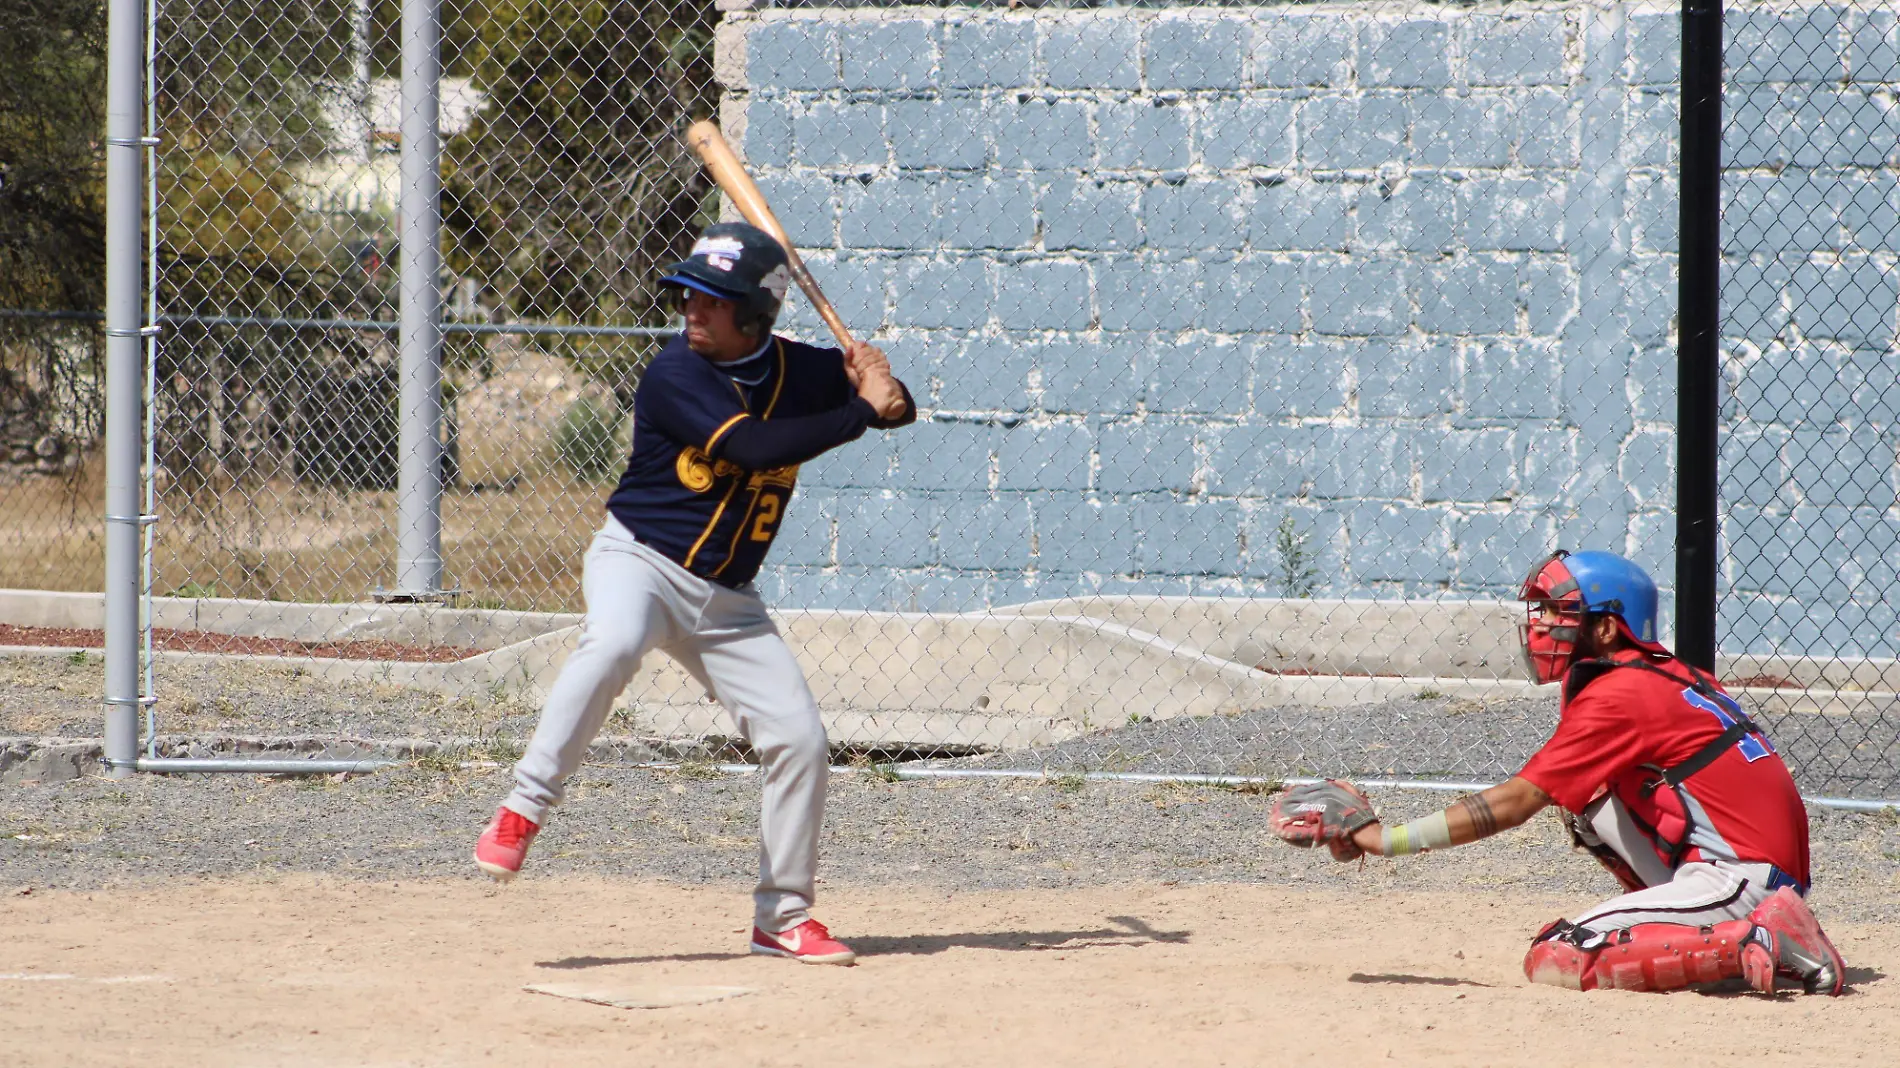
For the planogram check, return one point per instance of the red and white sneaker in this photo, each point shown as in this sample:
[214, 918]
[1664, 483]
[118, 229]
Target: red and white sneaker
[504, 845]
[1801, 949]
[809, 942]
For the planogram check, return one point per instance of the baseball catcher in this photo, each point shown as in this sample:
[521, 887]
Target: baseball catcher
[1659, 774]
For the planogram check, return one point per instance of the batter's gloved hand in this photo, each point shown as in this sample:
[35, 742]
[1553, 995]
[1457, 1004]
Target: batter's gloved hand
[1322, 813]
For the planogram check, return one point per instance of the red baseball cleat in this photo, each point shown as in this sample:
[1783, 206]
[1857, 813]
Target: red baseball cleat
[1801, 949]
[809, 942]
[504, 845]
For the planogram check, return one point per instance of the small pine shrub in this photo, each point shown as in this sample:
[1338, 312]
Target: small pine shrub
[1298, 575]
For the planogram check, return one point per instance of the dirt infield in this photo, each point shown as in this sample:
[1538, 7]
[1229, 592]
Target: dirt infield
[302, 971]
[262, 921]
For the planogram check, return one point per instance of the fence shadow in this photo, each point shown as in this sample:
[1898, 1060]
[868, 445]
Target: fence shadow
[1127, 931]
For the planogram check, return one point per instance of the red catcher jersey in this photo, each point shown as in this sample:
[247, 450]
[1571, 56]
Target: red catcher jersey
[1628, 722]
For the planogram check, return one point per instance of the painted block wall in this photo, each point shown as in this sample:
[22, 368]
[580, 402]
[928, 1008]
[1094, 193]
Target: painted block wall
[1392, 283]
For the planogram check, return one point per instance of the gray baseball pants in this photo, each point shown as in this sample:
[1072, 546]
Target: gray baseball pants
[638, 600]
[1696, 893]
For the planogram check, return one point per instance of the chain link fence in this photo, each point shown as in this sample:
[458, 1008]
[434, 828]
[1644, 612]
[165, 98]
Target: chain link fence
[278, 400]
[1260, 351]
[51, 411]
[1809, 229]
[51, 251]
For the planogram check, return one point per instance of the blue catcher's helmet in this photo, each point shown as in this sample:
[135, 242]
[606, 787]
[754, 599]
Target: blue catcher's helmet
[1569, 586]
[1611, 585]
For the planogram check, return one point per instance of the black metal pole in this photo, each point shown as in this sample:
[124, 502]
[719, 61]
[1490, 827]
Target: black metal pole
[1698, 355]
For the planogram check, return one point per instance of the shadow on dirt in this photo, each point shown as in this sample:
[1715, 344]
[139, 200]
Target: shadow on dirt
[1399, 979]
[1127, 931]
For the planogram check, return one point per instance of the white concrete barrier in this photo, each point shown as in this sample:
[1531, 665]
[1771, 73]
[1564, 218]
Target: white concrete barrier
[1021, 675]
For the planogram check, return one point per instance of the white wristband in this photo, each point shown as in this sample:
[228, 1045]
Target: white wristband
[1428, 832]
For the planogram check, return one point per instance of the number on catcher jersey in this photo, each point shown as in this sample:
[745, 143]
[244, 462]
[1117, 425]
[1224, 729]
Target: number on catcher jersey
[1754, 745]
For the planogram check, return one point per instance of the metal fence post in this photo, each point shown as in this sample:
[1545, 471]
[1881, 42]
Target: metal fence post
[1698, 354]
[418, 465]
[125, 39]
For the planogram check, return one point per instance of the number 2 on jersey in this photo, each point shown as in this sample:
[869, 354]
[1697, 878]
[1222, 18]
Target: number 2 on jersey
[771, 509]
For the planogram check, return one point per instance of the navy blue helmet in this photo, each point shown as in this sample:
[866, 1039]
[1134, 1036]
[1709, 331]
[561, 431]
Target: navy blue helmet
[741, 263]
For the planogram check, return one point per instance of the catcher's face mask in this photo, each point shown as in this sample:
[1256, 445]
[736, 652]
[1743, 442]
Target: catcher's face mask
[1553, 615]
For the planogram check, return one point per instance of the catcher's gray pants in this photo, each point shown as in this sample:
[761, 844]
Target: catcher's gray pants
[1696, 893]
[639, 600]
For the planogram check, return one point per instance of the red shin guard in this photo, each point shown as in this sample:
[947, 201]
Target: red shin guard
[1648, 956]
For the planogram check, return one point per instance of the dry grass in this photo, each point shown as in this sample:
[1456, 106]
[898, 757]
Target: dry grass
[499, 459]
[280, 540]
[52, 536]
[515, 544]
[39, 694]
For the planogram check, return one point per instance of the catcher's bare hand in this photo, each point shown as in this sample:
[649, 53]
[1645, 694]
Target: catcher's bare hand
[1323, 813]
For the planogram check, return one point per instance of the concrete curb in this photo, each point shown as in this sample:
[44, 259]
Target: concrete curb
[48, 759]
[1010, 678]
[57, 759]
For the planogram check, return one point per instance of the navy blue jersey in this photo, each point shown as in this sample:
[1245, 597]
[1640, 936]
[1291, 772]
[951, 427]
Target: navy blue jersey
[715, 461]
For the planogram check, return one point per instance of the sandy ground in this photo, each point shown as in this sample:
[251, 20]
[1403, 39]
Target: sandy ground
[250, 920]
[306, 971]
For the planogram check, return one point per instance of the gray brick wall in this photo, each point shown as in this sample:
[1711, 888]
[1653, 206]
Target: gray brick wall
[1166, 280]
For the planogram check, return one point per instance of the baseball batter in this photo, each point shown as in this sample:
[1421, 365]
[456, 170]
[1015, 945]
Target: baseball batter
[722, 419]
[1660, 775]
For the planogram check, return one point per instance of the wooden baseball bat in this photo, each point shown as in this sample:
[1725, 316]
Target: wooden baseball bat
[710, 146]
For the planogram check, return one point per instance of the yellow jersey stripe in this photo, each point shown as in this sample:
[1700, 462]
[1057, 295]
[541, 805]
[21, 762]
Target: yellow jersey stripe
[721, 432]
[711, 525]
[780, 386]
[738, 532]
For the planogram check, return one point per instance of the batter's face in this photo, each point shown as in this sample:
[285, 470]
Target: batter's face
[711, 330]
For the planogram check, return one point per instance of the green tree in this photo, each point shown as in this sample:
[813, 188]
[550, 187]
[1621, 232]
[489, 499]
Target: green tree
[572, 186]
[240, 93]
[248, 77]
[52, 132]
[52, 219]
[241, 90]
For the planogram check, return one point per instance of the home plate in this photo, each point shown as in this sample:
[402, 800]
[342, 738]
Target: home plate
[638, 997]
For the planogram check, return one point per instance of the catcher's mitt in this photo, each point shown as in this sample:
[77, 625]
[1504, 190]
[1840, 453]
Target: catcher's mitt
[1322, 813]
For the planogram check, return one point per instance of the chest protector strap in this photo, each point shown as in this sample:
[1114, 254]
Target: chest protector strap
[1587, 671]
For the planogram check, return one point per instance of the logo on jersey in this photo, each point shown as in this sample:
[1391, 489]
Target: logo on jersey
[720, 252]
[783, 477]
[698, 472]
[777, 282]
